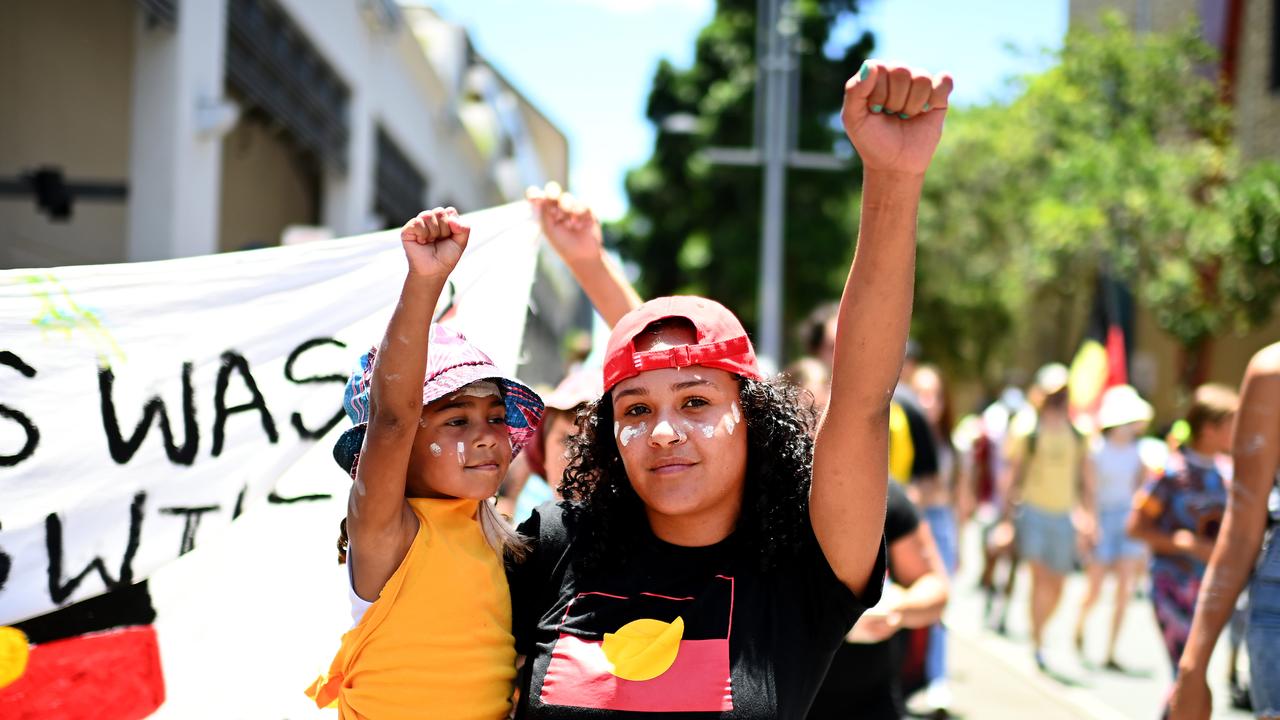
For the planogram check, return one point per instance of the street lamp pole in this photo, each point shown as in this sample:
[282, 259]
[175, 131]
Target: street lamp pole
[776, 65]
[777, 104]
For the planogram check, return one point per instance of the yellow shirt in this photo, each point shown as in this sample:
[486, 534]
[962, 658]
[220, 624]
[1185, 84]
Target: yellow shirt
[1051, 476]
[437, 642]
[902, 451]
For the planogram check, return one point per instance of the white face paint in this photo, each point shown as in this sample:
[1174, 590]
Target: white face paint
[436, 450]
[631, 432]
[1254, 444]
[462, 453]
[731, 423]
[708, 431]
[617, 427]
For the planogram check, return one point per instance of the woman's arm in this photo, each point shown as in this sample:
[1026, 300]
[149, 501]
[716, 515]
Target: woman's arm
[850, 466]
[1179, 542]
[379, 522]
[1256, 457]
[575, 235]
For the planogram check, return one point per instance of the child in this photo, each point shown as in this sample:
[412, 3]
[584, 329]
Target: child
[1178, 515]
[1120, 472]
[432, 636]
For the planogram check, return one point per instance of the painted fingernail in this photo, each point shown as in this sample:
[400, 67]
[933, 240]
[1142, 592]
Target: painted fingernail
[866, 70]
[877, 108]
[904, 116]
[926, 107]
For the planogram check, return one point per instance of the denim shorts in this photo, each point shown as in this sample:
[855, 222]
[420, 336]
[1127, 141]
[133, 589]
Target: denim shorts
[1047, 537]
[1113, 542]
[1263, 633]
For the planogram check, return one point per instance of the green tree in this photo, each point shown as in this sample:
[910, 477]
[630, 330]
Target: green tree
[1119, 157]
[695, 227]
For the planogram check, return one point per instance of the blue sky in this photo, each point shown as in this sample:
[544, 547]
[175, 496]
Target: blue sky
[587, 63]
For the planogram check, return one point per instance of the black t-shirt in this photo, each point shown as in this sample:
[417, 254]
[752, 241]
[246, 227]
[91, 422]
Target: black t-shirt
[863, 681]
[684, 632]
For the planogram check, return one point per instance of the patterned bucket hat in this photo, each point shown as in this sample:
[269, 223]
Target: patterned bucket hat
[452, 364]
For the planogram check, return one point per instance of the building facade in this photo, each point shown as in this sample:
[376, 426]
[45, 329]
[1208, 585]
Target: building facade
[134, 130]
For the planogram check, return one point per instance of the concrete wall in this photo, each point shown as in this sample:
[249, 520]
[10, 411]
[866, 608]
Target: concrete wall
[394, 86]
[1257, 105]
[65, 103]
[267, 185]
[1146, 15]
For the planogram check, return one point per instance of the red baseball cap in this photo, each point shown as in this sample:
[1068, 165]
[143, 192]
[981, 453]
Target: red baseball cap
[722, 342]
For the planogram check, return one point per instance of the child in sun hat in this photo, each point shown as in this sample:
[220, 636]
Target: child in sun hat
[435, 427]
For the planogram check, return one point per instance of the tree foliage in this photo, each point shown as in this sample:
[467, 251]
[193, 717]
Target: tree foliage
[694, 227]
[1118, 157]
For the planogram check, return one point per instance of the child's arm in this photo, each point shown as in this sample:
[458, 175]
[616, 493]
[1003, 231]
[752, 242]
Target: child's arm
[1150, 503]
[851, 460]
[379, 521]
[574, 233]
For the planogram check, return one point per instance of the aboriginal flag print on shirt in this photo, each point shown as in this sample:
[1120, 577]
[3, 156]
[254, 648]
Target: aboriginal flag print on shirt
[669, 631]
[646, 652]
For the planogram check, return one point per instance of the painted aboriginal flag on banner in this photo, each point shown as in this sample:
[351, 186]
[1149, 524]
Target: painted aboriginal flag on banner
[144, 407]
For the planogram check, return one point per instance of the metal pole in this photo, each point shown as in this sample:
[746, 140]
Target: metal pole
[775, 65]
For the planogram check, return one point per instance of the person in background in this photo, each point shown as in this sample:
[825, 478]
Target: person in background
[1050, 481]
[912, 452]
[940, 497]
[812, 376]
[574, 232]
[1120, 472]
[547, 453]
[1179, 514]
[987, 465]
[1248, 545]
[864, 679]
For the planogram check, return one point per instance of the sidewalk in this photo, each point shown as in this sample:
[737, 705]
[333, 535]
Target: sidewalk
[992, 686]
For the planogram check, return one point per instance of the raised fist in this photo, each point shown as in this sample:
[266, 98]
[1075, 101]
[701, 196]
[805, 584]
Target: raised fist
[893, 115]
[570, 226]
[434, 241]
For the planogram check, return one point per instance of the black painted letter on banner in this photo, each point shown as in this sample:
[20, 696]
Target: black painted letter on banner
[58, 591]
[235, 361]
[303, 432]
[33, 434]
[122, 449]
[193, 523]
[5, 564]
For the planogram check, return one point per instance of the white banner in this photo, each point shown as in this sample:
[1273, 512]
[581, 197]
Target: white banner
[144, 406]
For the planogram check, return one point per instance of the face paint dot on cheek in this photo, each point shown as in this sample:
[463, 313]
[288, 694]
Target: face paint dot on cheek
[736, 417]
[630, 433]
[436, 450]
[708, 431]
[462, 453]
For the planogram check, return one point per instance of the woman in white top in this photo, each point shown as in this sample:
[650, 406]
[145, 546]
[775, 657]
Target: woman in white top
[1119, 471]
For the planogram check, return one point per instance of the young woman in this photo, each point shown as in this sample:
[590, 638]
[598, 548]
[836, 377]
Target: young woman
[711, 557]
[942, 498]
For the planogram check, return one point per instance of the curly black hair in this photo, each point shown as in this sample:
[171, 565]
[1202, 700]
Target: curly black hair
[774, 524]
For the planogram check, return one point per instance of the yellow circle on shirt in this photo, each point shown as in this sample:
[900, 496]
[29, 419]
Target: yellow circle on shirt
[643, 649]
[14, 651]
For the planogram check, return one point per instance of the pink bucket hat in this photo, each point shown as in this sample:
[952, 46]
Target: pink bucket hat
[452, 364]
